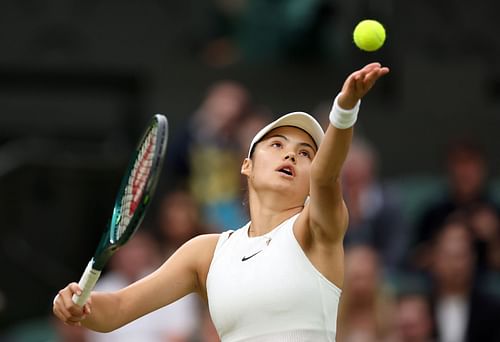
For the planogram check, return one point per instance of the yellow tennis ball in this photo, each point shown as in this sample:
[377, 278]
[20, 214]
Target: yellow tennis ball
[369, 35]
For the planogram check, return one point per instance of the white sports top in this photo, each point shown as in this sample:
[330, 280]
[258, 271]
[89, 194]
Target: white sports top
[265, 289]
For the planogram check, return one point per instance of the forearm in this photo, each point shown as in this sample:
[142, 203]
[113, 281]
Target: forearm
[177, 277]
[327, 164]
[331, 155]
[107, 311]
[328, 214]
[105, 314]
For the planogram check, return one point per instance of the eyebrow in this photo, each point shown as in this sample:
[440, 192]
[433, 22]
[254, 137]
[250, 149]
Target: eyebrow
[301, 143]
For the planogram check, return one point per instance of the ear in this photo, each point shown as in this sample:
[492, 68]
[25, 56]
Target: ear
[246, 167]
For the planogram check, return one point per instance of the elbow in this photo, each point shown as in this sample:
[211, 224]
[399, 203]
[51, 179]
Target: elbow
[103, 330]
[101, 327]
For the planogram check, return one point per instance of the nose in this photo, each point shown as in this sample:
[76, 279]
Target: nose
[290, 156]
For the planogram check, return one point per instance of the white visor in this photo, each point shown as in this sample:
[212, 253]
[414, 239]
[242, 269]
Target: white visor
[300, 120]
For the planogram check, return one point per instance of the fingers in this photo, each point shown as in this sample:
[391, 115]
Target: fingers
[64, 316]
[362, 80]
[87, 309]
[370, 73]
[359, 83]
[66, 310]
[75, 288]
[373, 75]
[369, 67]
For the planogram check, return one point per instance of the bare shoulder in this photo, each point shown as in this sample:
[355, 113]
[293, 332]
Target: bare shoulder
[204, 246]
[201, 248]
[207, 241]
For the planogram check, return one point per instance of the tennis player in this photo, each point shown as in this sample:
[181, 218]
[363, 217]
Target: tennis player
[278, 278]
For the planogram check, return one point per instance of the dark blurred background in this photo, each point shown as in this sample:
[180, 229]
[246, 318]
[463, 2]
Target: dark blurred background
[80, 79]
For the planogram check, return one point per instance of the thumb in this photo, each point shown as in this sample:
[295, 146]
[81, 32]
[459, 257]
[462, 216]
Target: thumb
[75, 289]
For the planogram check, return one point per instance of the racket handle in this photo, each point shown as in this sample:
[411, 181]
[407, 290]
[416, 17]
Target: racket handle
[86, 283]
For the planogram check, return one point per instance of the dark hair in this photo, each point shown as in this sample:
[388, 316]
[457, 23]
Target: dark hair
[250, 155]
[456, 218]
[464, 147]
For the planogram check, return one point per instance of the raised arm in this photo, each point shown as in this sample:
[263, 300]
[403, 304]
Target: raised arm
[328, 217]
[184, 272]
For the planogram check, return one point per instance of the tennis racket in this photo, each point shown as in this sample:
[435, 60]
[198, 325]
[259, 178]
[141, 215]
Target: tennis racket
[136, 189]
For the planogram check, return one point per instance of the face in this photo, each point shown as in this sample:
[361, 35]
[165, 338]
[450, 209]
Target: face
[453, 258]
[413, 319]
[281, 162]
[225, 105]
[467, 173]
[358, 168]
[361, 272]
[138, 256]
[179, 217]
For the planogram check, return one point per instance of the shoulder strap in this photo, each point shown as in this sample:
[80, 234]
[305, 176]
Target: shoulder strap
[223, 237]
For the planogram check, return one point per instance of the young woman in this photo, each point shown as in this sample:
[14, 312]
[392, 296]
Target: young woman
[279, 277]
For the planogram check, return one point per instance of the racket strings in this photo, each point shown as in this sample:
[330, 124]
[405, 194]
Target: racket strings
[137, 180]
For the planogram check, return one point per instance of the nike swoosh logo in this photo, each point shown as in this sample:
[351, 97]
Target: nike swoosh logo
[251, 256]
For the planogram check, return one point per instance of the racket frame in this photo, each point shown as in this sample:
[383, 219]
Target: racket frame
[109, 242]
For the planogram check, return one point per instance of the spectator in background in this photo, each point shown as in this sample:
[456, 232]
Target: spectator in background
[174, 323]
[467, 187]
[204, 159]
[484, 221]
[463, 311]
[366, 309]
[178, 221]
[483, 224]
[414, 321]
[257, 118]
[375, 217]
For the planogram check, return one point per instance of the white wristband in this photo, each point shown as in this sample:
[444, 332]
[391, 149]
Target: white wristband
[343, 118]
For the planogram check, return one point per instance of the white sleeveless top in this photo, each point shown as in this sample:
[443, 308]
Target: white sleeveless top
[265, 289]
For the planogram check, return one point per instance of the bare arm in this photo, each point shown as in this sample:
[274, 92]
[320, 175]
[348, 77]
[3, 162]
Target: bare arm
[327, 212]
[184, 272]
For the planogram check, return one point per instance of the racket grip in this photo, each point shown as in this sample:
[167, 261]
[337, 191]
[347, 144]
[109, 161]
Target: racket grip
[86, 283]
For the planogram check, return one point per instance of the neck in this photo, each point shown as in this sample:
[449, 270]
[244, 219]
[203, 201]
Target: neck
[454, 289]
[267, 212]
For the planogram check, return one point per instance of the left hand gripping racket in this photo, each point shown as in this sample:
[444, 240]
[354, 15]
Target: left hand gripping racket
[136, 190]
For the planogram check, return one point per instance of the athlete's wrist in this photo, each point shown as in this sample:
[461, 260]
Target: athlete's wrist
[343, 118]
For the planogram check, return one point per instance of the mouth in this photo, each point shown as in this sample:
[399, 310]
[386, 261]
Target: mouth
[286, 170]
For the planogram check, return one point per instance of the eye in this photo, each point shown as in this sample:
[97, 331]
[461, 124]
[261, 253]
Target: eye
[305, 153]
[276, 144]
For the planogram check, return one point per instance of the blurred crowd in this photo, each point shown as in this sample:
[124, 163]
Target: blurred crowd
[422, 259]
[433, 276]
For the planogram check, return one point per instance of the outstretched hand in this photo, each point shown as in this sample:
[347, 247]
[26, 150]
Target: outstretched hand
[359, 83]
